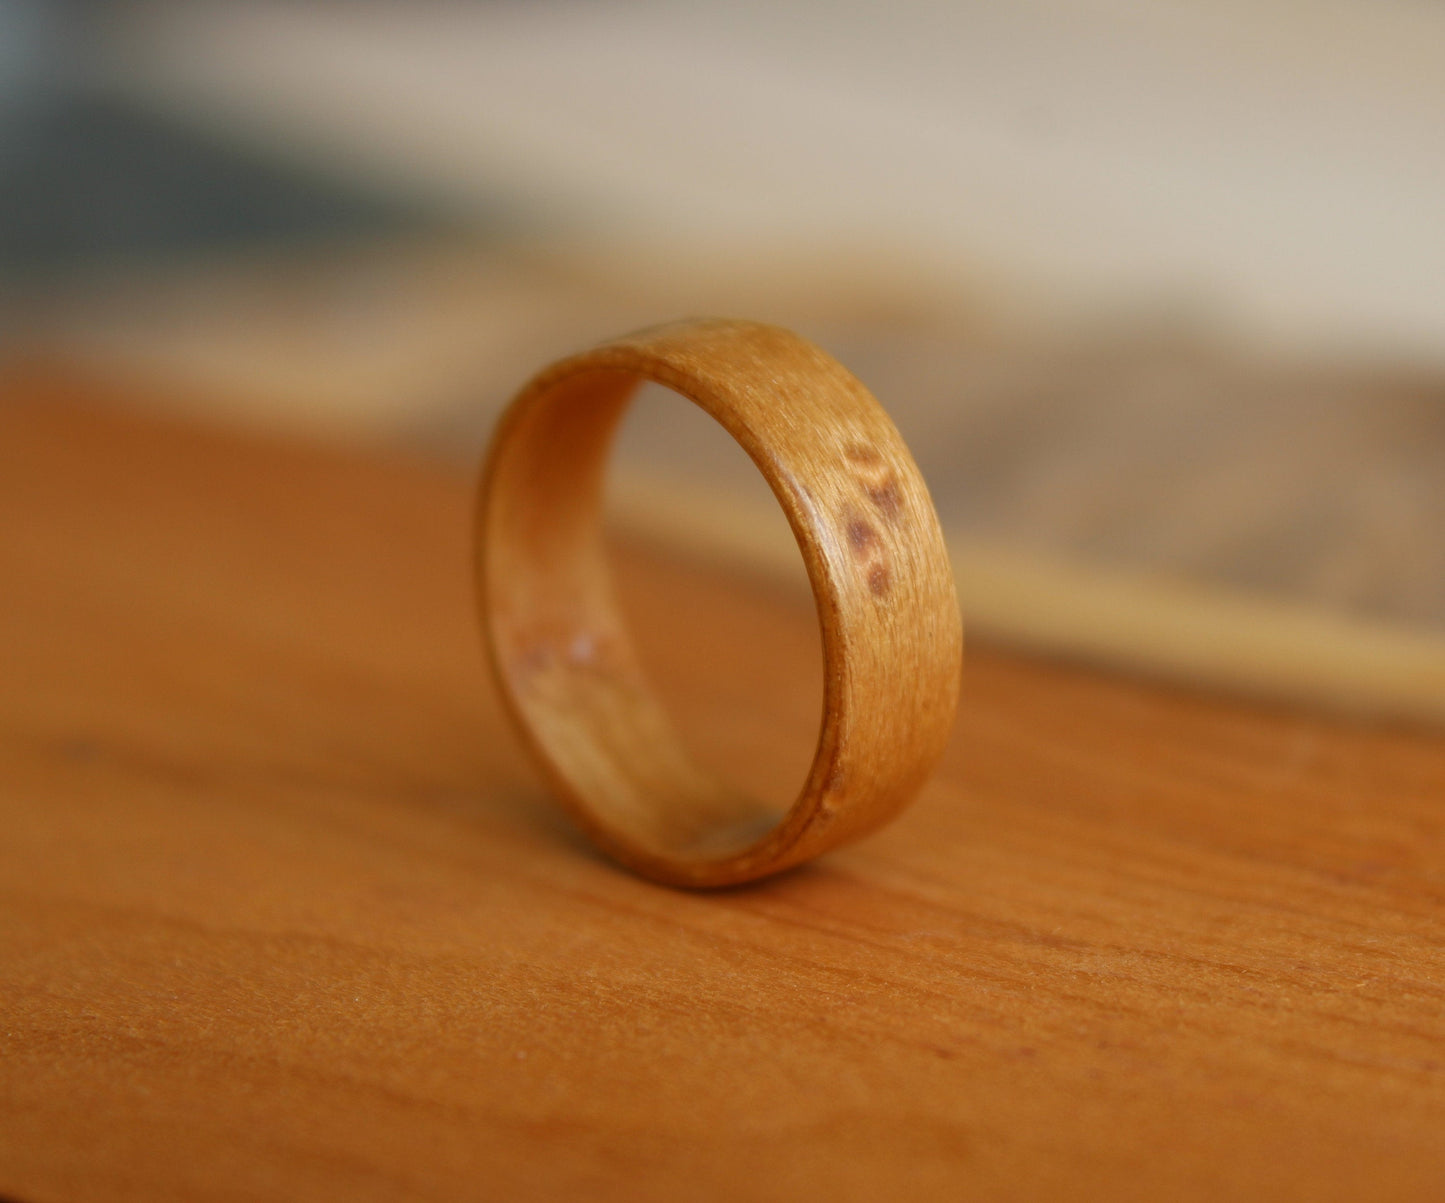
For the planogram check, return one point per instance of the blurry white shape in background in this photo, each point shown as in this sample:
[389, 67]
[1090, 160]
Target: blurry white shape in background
[1275, 166]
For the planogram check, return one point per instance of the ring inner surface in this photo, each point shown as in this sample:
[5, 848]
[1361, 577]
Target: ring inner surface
[564, 649]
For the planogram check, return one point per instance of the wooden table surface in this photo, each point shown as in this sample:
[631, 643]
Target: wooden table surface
[285, 914]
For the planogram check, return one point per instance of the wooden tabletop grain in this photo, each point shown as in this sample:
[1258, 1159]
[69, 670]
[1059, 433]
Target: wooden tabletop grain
[285, 914]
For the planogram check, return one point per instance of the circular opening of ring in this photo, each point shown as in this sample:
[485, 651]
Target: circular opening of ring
[605, 716]
[715, 594]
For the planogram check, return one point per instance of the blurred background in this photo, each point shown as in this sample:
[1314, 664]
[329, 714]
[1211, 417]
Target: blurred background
[1155, 290]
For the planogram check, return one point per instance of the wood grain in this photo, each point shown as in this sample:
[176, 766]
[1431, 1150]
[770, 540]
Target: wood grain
[284, 913]
[563, 654]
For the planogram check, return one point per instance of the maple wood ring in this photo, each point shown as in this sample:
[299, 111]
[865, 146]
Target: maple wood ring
[892, 638]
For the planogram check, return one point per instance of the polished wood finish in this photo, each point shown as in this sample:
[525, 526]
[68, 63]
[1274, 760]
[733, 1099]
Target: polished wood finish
[874, 554]
[284, 912]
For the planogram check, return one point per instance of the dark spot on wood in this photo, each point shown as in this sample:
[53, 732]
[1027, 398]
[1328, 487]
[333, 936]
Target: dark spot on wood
[861, 453]
[861, 536]
[877, 478]
[886, 496]
[880, 580]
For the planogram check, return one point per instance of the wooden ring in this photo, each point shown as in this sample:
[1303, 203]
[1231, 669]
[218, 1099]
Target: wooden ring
[892, 638]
